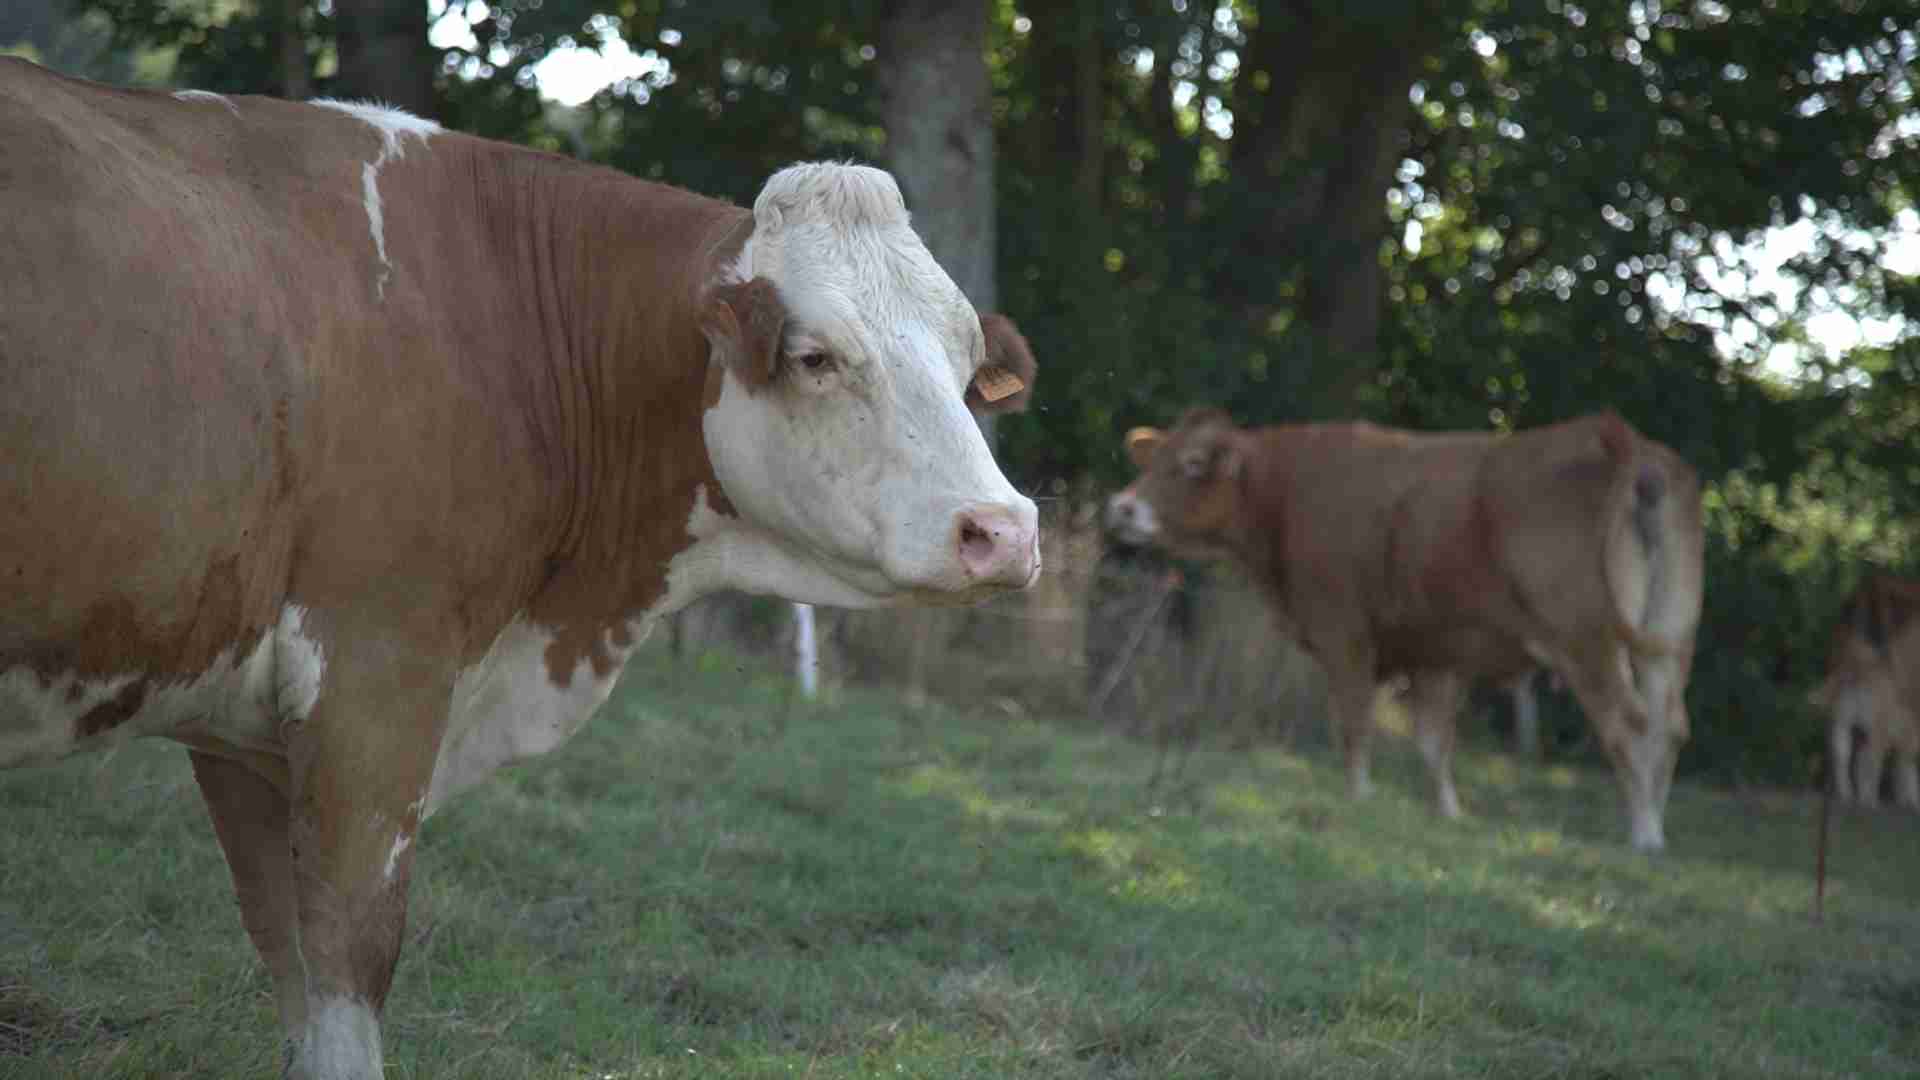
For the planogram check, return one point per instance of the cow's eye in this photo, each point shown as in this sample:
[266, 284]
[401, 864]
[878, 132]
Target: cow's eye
[814, 361]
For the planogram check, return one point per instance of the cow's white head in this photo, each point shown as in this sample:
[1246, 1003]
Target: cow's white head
[841, 427]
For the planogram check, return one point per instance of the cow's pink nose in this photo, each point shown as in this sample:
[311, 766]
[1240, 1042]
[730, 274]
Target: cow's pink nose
[999, 545]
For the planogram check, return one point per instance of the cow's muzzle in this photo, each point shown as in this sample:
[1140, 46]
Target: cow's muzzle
[1131, 518]
[999, 544]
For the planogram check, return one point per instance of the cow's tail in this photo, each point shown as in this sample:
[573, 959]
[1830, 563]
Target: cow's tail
[1651, 526]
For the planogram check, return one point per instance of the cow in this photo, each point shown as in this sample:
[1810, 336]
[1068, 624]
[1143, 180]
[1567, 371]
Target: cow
[1448, 557]
[1871, 692]
[356, 455]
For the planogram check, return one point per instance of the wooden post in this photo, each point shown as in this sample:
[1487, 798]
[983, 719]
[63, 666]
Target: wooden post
[1820, 850]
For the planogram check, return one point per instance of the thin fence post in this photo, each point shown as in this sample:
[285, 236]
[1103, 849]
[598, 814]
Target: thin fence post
[806, 651]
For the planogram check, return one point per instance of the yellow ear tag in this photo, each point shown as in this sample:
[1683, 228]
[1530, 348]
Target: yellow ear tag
[995, 382]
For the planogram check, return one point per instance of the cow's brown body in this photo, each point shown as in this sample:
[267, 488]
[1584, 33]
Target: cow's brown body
[1450, 557]
[356, 455]
[1872, 692]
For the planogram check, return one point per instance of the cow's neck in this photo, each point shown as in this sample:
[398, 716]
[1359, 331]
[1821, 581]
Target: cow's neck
[607, 274]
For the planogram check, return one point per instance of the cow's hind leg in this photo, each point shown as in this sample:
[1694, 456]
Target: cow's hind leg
[1642, 748]
[1906, 778]
[362, 766]
[1905, 752]
[250, 816]
[1870, 764]
[1840, 755]
[1434, 698]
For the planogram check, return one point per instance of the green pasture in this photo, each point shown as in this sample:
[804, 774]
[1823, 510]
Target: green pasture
[717, 880]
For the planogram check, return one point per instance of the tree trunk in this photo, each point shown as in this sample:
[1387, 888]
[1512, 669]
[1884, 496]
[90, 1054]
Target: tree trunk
[1321, 150]
[936, 109]
[1090, 109]
[384, 55]
[296, 68]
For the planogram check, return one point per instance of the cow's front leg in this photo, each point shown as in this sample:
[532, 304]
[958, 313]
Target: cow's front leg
[362, 765]
[1434, 698]
[250, 816]
[1906, 778]
[1351, 688]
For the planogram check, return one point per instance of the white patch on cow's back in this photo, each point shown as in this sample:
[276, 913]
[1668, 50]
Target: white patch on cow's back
[394, 126]
[507, 706]
[207, 95]
[241, 699]
[341, 1042]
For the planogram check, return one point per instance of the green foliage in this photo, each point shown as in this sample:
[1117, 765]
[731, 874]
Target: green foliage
[691, 890]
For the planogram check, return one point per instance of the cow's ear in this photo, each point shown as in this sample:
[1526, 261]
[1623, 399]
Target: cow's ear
[1141, 443]
[743, 322]
[1211, 454]
[1227, 458]
[1004, 384]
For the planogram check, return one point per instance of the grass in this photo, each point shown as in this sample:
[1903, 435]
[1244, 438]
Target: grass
[715, 880]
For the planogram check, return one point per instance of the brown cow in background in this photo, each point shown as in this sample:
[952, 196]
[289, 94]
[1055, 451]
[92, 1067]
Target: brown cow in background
[1451, 557]
[1873, 688]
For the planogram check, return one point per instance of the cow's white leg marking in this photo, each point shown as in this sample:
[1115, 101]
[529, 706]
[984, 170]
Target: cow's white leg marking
[207, 95]
[1647, 758]
[342, 1041]
[401, 838]
[1840, 748]
[394, 126]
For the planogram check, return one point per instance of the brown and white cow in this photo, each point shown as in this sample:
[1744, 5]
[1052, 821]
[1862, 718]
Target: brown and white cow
[356, 455]
[1450, 557]
[1872, 692]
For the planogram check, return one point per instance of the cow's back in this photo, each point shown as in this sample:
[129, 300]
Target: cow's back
[136, 450]
[163, 311]
[1365, 526]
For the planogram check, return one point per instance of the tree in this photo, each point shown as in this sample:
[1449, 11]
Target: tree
[1495, 212]
[384, 55]
[1314, 149]
[936, 110]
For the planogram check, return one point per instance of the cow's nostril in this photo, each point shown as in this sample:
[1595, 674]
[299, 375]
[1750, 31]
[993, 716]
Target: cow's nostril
[975, 541]
[995, 544]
